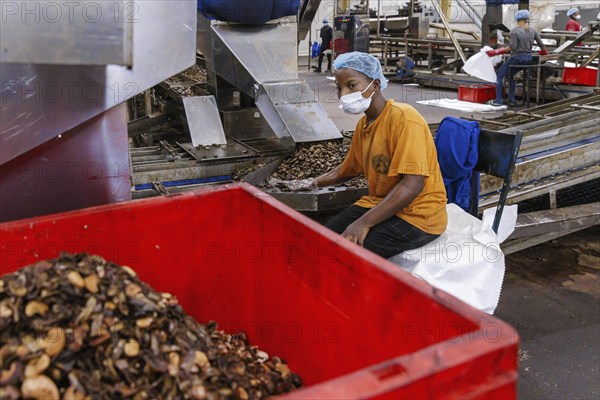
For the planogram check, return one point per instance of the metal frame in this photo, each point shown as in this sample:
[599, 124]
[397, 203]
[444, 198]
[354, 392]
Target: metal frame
[541, 226]
[497, 155]
[449, 30]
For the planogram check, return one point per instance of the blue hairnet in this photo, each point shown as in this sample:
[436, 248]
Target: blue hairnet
[522, 14]
[572, 11]
[325, 21]
[364, 63]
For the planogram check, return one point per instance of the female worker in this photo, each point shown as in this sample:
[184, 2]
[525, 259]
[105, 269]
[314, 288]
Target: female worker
[393, 147]
[521, 43]
[573, 25]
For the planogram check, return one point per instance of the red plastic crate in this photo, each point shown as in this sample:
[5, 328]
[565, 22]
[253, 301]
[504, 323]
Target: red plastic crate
[477, 93]
[580, 76]
[341, 46]
[352, 324]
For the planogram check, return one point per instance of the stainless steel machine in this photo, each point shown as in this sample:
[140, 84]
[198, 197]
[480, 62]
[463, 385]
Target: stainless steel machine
[66, 69]
[254, 111]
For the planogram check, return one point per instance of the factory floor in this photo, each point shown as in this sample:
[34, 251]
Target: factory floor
[551, 292]
[551, 295]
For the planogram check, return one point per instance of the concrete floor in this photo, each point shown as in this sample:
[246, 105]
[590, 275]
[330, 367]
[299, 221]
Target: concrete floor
[551, 295]
[551, 292]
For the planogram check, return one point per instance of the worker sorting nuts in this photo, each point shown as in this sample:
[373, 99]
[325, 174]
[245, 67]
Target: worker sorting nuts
[521, 43]
[393, 147]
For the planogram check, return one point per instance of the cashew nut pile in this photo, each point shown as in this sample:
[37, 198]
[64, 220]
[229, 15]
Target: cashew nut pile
[79, 327]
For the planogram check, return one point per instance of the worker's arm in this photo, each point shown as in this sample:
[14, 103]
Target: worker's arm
[512, 44]
[497, 52]
[332, 177]
[540, 43]
[401, 195]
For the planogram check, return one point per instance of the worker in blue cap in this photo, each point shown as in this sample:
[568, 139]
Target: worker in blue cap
[326, 45]
[393, 148]
[573, 25]
[520, 44]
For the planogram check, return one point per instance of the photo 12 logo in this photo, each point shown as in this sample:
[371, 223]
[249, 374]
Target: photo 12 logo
[69, 12]
[24, 251]
[32, 91]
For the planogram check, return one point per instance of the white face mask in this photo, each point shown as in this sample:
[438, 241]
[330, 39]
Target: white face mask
[355, 103]
[578, 17]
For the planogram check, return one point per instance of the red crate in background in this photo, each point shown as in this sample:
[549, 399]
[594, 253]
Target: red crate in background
[580, 76]
[341, 46]
[350, 323]
[477, 93]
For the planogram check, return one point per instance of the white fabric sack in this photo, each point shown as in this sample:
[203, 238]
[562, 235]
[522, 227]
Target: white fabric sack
[481, 65]
[466, 260]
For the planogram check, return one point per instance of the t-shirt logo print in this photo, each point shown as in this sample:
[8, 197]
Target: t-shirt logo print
[381, 163]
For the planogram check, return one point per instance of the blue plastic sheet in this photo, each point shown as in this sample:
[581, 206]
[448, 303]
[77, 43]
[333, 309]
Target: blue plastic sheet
[254, 12]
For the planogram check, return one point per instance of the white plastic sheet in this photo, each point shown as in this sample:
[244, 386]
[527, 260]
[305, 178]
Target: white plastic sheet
[466, 260]
[481, 65]
[464, 106]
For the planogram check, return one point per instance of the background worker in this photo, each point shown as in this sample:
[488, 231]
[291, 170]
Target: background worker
[326, 45]
[393, 147]
[521, 44]
[573, 25]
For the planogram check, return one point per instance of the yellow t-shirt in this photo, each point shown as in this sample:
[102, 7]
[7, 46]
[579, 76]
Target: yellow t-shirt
[399, 142]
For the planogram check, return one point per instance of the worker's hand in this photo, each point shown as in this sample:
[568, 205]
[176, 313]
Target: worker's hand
[356, 232]
[543, 52]
[295, 185]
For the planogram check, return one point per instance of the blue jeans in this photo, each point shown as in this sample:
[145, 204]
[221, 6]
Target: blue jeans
[517, 59]
[392, 236]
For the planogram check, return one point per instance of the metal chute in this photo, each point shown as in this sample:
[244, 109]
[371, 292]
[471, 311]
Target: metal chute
[261, 62]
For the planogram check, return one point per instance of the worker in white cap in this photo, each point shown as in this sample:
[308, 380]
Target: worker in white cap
[393, 148]
[573, 25]
[326, 45]
[520, 44]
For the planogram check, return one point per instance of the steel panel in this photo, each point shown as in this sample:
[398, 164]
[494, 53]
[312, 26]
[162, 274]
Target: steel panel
[266, 52]
[86, 166]
[204, 120]
[291, 109]
[75, 33]
[291, 92]
[39, 102]
[322, 199]
[308, 122]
